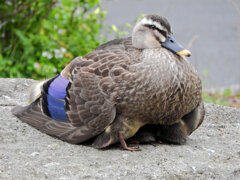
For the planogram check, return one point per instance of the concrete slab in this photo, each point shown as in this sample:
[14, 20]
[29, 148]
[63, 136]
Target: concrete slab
[212, 152]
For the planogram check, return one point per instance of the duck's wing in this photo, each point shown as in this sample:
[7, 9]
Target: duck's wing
[88, 112]
[34, 116]
[88, 104]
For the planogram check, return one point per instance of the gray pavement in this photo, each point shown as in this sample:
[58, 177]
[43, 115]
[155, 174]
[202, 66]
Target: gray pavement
[212, 151]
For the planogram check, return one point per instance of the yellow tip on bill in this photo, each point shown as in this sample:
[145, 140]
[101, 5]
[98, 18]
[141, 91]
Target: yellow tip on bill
[184, 52]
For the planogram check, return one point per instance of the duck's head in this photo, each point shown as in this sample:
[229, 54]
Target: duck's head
[154, 31]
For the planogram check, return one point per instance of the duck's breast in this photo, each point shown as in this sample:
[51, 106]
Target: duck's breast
[164, 86]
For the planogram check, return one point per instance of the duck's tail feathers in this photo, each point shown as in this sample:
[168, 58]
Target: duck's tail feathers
[31, 114]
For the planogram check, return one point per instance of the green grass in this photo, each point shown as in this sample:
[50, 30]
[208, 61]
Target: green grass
[226, 98]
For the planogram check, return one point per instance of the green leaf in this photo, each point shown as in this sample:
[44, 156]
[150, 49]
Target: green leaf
[114, 28]
[227, 92]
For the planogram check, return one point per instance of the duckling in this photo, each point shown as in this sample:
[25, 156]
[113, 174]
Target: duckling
[173, 134]
[110, 93]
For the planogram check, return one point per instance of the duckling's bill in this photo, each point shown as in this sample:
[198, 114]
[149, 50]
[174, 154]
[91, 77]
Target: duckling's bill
[171, 44]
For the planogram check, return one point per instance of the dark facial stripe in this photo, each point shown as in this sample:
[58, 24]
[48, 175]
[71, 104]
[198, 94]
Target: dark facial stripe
[164, 33]
[161, 20]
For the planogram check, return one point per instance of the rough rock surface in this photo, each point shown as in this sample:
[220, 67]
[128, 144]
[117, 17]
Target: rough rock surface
[212, 151]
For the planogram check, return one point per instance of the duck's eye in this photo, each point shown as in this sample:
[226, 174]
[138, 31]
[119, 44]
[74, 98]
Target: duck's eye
[153, 27]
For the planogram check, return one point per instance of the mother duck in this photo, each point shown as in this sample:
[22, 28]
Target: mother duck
[121, 86]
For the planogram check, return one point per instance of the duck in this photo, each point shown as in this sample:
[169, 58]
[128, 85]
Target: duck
[115, 91]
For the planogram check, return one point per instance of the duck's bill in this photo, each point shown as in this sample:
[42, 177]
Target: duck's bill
[184, 52]
[172, 45]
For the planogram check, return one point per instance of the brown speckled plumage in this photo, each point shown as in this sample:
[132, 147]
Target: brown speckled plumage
[117, 89]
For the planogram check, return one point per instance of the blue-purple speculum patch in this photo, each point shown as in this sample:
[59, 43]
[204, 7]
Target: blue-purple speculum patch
[56, 98]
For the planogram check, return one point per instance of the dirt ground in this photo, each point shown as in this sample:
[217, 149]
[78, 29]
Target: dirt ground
[212, 151]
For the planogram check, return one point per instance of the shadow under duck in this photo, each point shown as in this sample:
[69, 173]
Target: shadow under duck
[121, 86]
